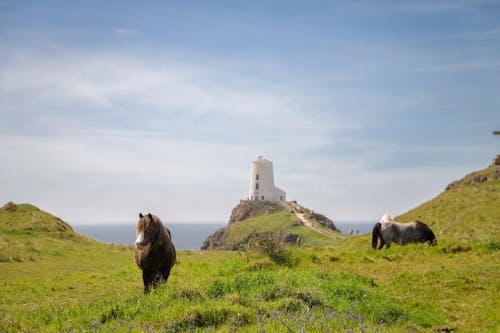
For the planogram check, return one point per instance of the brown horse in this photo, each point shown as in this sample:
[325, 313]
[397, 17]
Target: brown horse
[154, 251]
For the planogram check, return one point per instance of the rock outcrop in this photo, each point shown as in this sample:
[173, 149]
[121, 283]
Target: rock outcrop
[252, 220]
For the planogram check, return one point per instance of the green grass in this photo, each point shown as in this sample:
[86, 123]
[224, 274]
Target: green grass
[54, 280]
[468, 210]
[95, 287]
[282, 222]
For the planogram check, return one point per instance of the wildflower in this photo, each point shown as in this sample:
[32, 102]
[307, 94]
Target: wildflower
[360, 318]
[96, 324]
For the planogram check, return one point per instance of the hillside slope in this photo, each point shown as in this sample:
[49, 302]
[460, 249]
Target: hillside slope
[30, 234]
[288, 221]
[468, 210]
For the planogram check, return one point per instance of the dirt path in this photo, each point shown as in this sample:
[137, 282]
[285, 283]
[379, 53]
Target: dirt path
[295, 208]
[311, 225]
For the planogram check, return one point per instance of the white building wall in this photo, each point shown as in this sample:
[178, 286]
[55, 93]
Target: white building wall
[262, 186]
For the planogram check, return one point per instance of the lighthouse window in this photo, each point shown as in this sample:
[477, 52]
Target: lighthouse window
[257, 177]
[257, 186]
[262, 197]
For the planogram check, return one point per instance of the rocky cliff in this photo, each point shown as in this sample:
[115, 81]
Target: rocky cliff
[288, 221]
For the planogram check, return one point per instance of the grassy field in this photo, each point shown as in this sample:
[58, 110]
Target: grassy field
[54, 280]
[416, 288]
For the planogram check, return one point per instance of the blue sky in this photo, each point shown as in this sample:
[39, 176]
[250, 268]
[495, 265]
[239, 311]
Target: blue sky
[108, 109]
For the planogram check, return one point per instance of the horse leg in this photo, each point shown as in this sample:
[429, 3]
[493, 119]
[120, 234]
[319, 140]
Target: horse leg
[165, 275]
[148, 279]
[388, 244]
[382, 242]
[158, 279]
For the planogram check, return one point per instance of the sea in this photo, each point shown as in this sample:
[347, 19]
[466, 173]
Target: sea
[186, 236]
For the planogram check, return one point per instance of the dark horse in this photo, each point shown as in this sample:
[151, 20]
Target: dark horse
[401, 233]
[154, 251]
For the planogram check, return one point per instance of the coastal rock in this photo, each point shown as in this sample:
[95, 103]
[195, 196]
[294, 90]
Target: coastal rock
[278, 219]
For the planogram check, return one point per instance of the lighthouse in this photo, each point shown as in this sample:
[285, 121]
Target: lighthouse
[262, 186]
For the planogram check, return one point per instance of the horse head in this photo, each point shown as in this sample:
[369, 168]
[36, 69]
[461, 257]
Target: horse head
[426, 233]
[148, 229]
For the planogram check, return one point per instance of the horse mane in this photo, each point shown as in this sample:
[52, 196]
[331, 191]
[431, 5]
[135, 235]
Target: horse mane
[156, 227]
[386, 218]
[163, 235]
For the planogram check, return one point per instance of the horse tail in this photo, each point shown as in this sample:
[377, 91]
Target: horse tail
[375, 233]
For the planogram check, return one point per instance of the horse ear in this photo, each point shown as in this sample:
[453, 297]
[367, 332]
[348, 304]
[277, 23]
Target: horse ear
[150, 216]
[140, 215]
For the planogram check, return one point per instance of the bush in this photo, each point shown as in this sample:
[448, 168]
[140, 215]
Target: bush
[273, 247]
[218, 289]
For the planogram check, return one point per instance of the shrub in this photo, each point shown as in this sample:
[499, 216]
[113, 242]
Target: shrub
[493, 246]
[218, 289]
[272, 246]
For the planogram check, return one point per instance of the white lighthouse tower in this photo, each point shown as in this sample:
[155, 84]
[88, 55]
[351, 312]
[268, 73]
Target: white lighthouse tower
[262, 182]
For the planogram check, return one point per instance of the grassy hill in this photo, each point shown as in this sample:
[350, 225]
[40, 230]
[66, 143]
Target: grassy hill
[251, 220]
[54, 280]
[28, 233]
[468, 210]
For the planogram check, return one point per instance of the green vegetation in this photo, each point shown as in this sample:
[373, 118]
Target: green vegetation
[54, 280]
[281, 222]
[468, 210]
[251, 220]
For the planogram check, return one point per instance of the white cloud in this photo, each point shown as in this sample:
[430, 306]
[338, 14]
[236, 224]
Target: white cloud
[102, 137]
[127, 32]
[110, 81]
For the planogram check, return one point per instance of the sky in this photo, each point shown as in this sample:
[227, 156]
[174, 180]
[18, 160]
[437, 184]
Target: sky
[111, 108]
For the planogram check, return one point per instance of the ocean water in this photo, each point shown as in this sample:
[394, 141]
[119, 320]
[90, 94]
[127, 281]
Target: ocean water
[186, 236]
[362, 227]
